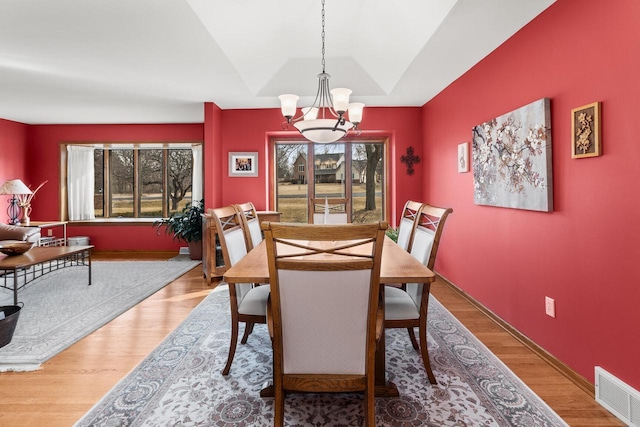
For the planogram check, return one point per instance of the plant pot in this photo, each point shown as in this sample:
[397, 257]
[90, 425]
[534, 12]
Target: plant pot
[8, 323]
[195, 250]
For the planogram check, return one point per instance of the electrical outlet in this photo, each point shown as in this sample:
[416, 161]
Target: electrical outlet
[50, 232]
[550, 306]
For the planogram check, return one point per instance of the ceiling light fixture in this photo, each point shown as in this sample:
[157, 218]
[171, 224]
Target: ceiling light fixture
[331, 104]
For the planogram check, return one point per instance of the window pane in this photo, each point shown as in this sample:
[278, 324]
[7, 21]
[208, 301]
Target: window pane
[121, 183]
[150, 168]
[330, 172]
[291, 188]
[180, 179]
[368, 179]
[98, 188]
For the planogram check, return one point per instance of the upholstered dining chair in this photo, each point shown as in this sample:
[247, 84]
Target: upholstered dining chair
[248, 302]
[251, 224]
[408, 223]
[323, 315]
[330, 210]
[407, 307]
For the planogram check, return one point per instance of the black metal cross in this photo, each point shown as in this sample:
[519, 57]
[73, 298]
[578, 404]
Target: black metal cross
[409, 160]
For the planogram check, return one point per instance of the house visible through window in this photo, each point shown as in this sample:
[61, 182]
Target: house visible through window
[299, 189]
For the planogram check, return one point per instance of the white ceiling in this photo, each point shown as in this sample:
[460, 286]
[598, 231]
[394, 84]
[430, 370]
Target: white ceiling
[157, 61]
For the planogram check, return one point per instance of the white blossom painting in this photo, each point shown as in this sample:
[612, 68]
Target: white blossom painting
[512, 159]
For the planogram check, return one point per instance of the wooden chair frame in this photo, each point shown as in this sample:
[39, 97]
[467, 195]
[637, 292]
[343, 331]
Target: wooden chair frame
[229, 219]
[249, 216]
[410, 214]
[352, 247]
[430, 218]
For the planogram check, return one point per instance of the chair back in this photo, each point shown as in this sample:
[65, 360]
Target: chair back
[431, 222]
[325, 283]
[228, 222]
[408, 224]
[426, 241]
[251, 224]
[330, 211]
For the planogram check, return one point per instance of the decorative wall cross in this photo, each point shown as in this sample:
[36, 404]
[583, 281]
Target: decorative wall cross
[409, 159]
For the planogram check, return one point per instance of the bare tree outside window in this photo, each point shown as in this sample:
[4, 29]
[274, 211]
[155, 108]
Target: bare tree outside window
[142, 182]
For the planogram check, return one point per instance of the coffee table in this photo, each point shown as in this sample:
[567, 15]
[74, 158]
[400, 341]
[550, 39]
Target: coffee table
[43, 260]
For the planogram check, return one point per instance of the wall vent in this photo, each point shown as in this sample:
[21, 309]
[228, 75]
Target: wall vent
[619, 398]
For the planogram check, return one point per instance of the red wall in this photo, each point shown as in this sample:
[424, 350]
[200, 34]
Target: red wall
[247, 130]
[222, 132]
[585, 253]
[13, 146]
[43, 163]
[212, 155]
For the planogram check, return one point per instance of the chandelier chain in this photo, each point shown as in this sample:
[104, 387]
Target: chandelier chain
[323, 63]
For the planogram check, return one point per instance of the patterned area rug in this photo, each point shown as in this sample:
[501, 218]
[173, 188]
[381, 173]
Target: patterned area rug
[180, 384]
[60, 308]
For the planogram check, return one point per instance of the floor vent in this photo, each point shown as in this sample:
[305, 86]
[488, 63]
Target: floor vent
[617, 397]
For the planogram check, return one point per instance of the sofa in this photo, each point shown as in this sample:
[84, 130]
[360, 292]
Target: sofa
[16, 233]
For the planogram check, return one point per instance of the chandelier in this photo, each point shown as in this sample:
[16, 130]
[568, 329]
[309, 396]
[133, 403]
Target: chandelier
[331, 104]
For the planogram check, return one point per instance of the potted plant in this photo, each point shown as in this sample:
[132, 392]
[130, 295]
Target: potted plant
[186, 225]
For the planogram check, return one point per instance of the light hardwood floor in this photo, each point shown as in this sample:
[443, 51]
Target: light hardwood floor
[72, 382]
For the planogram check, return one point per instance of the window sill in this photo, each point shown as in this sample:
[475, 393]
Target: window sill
[115, 221]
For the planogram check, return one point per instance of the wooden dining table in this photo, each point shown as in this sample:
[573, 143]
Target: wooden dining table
[397, 266]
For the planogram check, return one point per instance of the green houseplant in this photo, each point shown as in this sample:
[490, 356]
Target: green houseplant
[186, 225]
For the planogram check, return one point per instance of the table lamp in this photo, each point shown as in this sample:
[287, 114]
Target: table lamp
[14, 187]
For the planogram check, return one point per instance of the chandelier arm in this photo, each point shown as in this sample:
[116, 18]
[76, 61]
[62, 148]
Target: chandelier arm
[339, 122]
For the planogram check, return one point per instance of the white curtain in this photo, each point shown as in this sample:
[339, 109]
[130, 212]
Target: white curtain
[196, 186]
[80, 181]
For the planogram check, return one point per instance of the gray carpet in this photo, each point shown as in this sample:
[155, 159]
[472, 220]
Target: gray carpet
[60, 308]
[179, 383]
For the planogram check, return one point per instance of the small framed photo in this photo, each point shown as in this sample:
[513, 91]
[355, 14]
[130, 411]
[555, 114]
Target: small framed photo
[463, 157]
[585, 131]
[243, 164]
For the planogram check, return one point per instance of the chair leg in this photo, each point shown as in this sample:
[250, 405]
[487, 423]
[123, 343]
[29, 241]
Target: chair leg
[369, 407]
[278, 406]
[232, 345]
[412, 336]
[248, 328]
[424, 351]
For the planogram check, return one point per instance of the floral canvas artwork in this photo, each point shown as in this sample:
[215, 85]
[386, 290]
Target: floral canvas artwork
[512, 159]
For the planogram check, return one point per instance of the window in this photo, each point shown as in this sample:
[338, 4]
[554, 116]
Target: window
[143, 180]
[328, 177]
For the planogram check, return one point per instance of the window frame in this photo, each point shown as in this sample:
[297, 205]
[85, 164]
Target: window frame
[136, 146]
[365, 137]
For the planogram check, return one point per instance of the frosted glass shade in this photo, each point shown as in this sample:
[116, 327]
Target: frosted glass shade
[310, 113]
[321, 130]
[340, 98]
[355, 112]
[288, 104]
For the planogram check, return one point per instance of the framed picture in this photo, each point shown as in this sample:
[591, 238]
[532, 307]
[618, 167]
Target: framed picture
[585, 131]
[463, 157]
[243, 164]
[511, 157]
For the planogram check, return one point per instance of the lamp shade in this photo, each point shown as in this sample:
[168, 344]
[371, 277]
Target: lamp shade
[355, 112]
[14, 186]
[322, 130]
[288, 104]
[310, 113]
[340, 97]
